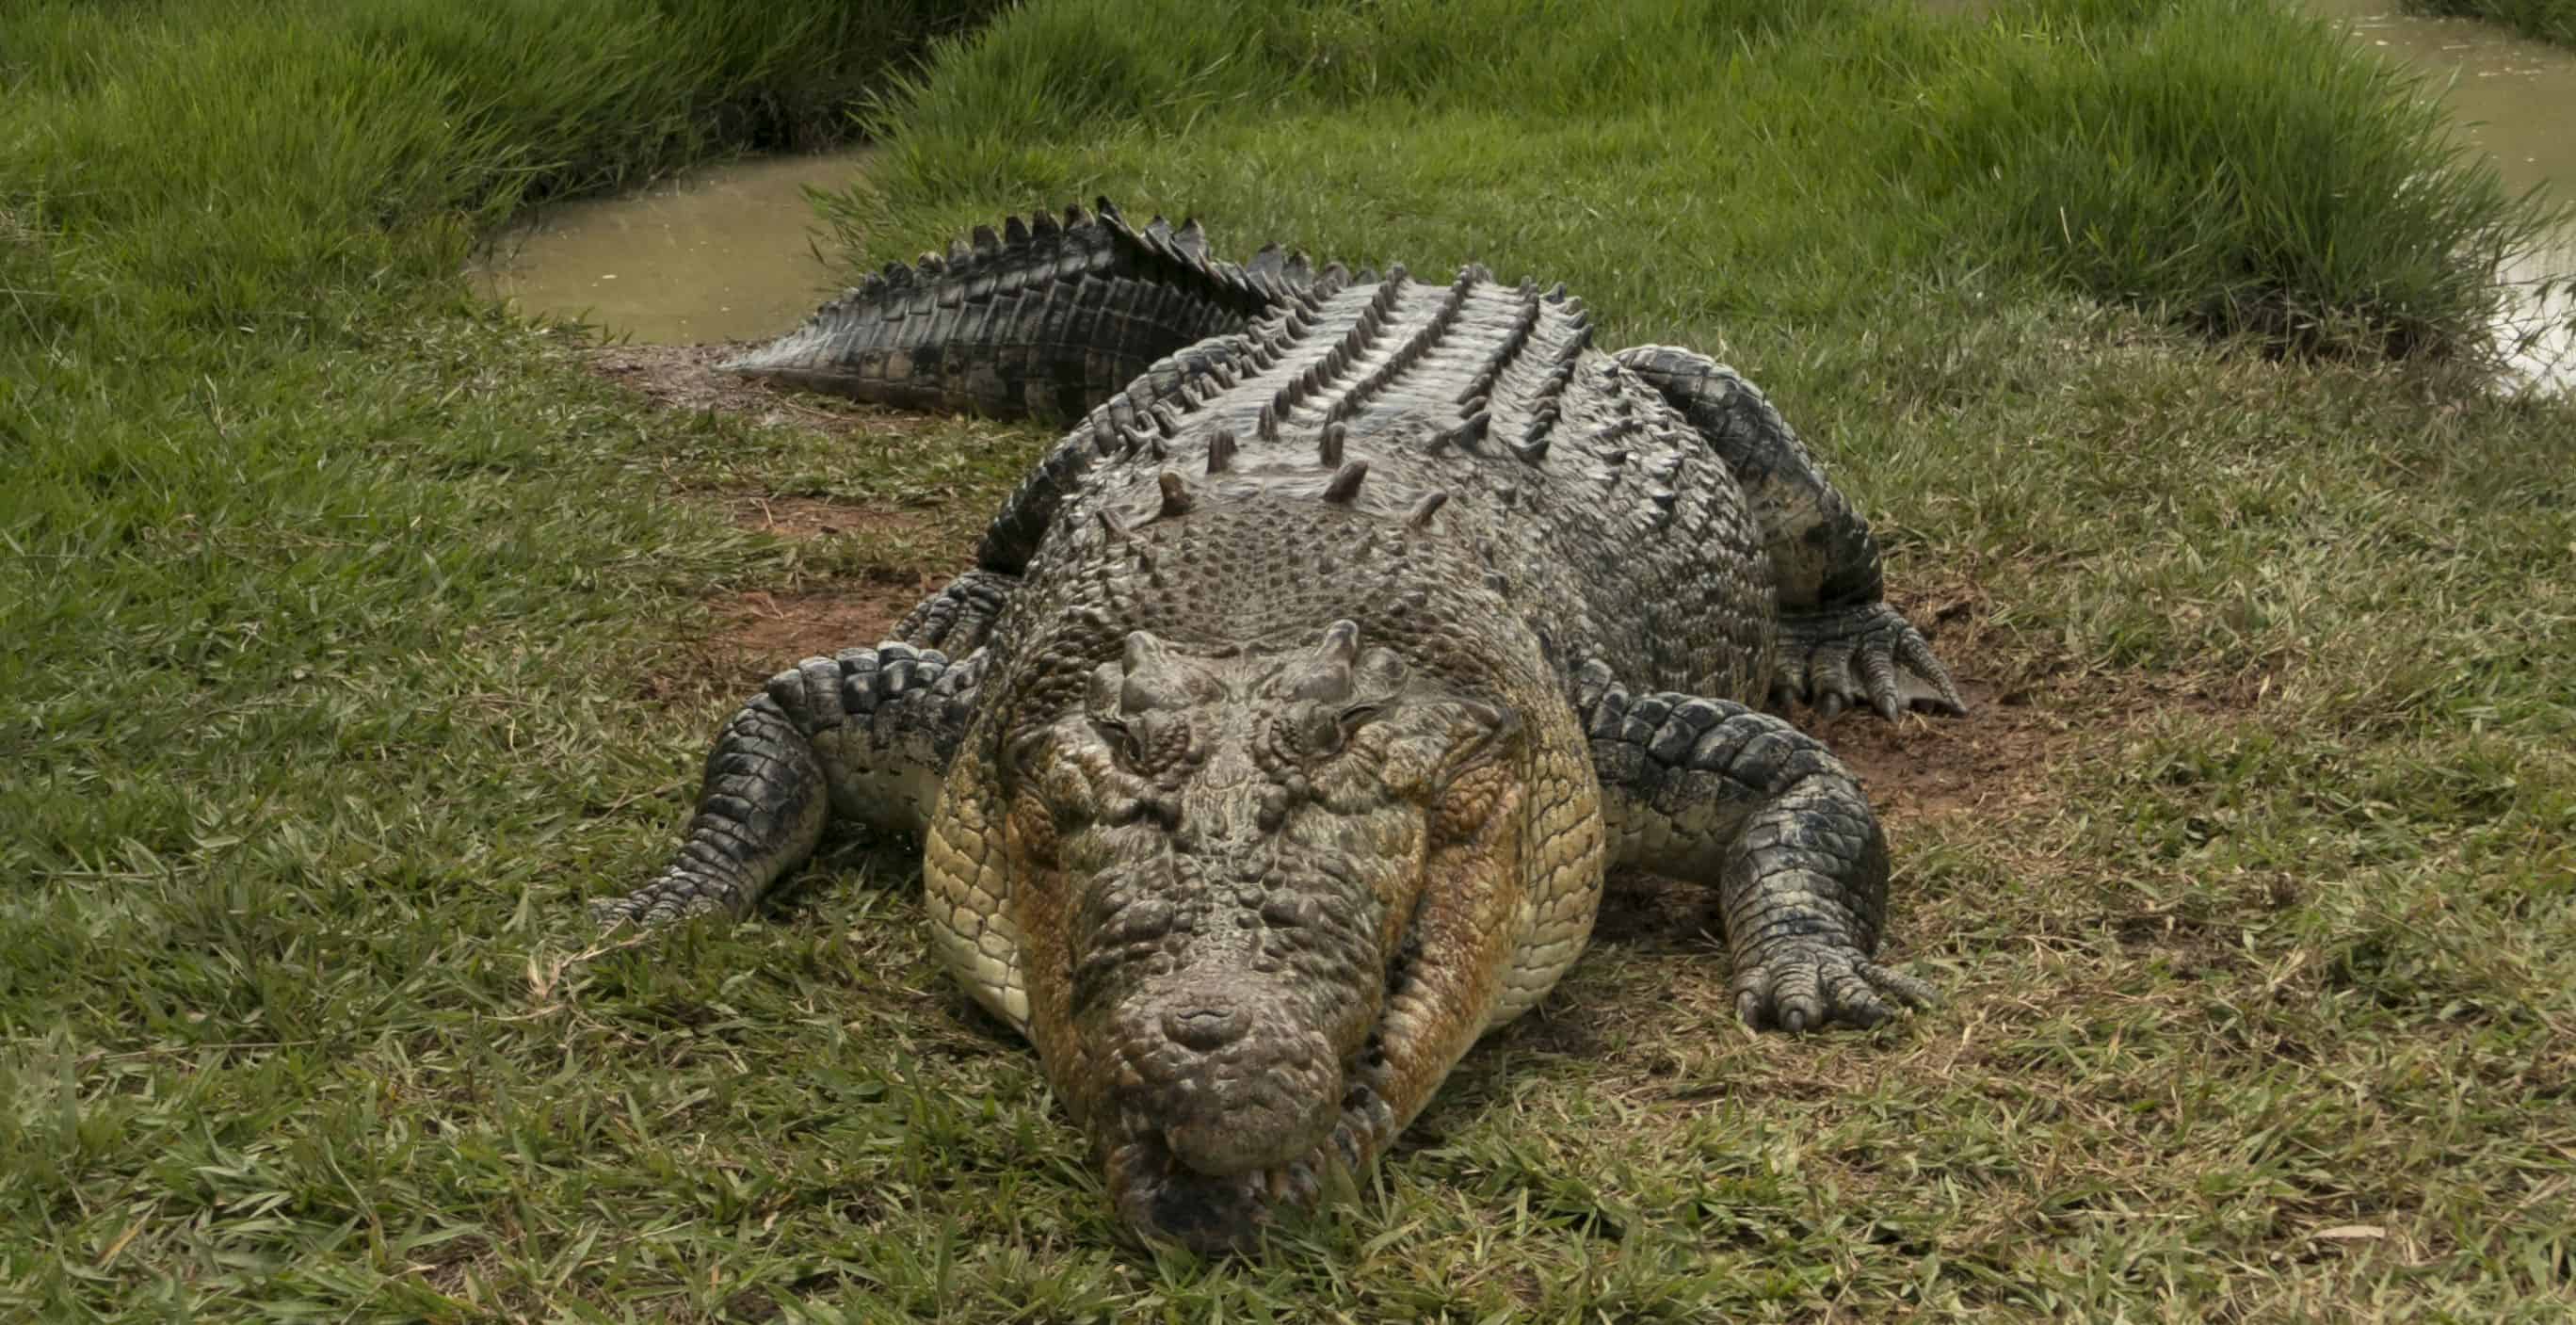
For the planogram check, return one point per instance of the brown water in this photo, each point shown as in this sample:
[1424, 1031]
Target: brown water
[722, 253]
[2516, 101]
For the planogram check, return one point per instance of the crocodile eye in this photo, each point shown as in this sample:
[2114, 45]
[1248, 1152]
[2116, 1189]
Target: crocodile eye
[1316, 731]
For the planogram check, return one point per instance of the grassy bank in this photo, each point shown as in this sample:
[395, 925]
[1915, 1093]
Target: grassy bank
[2545, 20]
[355, 634]
[2225, 165]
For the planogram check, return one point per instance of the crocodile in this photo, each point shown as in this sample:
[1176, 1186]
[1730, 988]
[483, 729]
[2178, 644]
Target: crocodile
[1278, 743]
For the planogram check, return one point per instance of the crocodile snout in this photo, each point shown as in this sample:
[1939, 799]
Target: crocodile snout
[1224, 1074]
[1206, 1028]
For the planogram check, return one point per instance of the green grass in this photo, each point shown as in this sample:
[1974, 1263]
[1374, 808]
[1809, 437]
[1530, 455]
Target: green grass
[355, 634]
[2223, 164]
[2544, 20]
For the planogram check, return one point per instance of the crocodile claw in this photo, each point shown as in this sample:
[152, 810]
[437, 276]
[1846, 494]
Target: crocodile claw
[1861, 655]
[1810, 987]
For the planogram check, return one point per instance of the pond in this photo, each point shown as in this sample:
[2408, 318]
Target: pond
[722, 253]
[2515, 100]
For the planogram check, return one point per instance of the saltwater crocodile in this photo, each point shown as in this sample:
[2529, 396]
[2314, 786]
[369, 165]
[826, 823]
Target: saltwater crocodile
[1277, 745]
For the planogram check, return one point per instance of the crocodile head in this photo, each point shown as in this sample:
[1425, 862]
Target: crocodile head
[1217, 860]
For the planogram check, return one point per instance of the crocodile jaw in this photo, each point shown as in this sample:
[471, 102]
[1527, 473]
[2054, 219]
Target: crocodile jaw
[1160, 1195]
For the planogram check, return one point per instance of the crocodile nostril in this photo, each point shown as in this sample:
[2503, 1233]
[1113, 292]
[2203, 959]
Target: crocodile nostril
[1204, 1029]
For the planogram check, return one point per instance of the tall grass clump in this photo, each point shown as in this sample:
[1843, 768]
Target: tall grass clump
[2226, 165]
[2229, 164]
[220, 163]
[2542, 20]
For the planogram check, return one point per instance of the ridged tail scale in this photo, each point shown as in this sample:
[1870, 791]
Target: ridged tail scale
[1048, 318]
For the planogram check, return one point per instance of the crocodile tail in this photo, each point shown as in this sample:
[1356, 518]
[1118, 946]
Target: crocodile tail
[1047, 318]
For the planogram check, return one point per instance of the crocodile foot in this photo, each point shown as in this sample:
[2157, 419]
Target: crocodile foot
[1867, 654]
[1809, 986]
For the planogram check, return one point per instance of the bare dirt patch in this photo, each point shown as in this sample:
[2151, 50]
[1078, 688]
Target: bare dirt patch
[686, 377]
[815, 517]
[767, 631]
[2030, 714]
[761, 631]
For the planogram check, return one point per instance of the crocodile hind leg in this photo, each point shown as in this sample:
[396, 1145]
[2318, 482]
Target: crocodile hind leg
[1708, 790]
[1840, 643]
[866, 733]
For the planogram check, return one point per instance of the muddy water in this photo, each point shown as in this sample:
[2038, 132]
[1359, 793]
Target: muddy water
[722, 253]
[2516, 101]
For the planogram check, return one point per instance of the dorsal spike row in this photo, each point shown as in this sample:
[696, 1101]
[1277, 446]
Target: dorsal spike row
[1175, 494]
[1524, 320]
[1221, 450]
[1344, 486]
[1423, 510]
[1465, 434]
[1328, 450]
[1267, 426]
[1166, 419]
[1534, 450]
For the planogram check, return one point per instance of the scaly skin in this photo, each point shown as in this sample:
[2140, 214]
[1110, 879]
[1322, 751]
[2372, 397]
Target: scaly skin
[1305, 692]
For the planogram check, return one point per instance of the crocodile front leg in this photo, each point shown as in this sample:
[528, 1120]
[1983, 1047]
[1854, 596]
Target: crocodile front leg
[1701, 789]
[1839, 643]
[867, 733]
